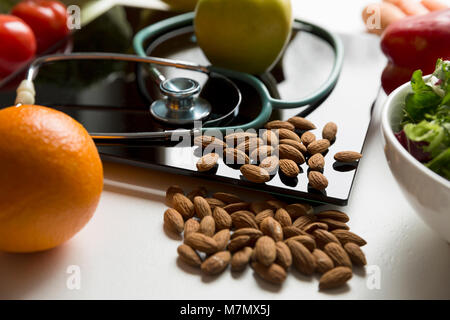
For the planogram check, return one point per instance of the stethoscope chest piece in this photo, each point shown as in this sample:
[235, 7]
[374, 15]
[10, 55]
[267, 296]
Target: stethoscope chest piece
[180, 104]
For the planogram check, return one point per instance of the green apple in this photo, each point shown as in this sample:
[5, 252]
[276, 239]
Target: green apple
[243, 35]
[182, 5]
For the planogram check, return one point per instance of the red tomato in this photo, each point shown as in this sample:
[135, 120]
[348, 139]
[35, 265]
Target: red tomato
[17, 44]
[48, 19]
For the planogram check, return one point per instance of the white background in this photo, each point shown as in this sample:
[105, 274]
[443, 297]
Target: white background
[124, 253]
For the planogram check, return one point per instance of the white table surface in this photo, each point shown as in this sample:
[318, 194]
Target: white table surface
[124, 253]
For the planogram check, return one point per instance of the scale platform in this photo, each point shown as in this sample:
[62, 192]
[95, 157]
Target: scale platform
[106, 97]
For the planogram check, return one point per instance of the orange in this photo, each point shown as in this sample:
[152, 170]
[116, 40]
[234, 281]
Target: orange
[51, 178]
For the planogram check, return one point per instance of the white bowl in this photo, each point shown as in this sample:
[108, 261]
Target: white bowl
[428, 192]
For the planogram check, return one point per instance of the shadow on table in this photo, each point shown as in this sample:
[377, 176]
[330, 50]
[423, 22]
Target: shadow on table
[131, 181]
[22, 273]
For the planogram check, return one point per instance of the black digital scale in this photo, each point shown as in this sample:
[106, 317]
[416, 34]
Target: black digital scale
[104, 96]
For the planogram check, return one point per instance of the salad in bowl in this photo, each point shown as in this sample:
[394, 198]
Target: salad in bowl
[425, 127]
[416, 129]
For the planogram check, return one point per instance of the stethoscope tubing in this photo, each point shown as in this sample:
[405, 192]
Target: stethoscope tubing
[268, 103]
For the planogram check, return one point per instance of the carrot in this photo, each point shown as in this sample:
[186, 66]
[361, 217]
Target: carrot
[387, 12]
[434, 5]
[410, 7]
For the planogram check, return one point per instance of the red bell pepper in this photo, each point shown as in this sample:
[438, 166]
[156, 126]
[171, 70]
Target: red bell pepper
[415, 43]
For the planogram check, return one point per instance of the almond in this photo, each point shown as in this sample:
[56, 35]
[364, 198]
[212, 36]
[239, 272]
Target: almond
[233, 207]
[303, 260]
[188, 255]
[199, 191]
[347, 156]
[316, 162]
[345, 236]
[289, 168]
[200, 242]
[307, 241]
[261, 153]
[173, 220]
[216, 263]
[272, 228]
[265, 250]
[209, 142]
[284, 256]
[324, 237]
[278, 124]
[259, 206]
[207, 162]
[238, 243]
[208, 226]
[292, 231]
[249, 145]
[201, 207]
[170, 192]
[191, 225]
[317, 180]
[307, 138]
[222, 219]
[213, 202]
[273, 273]
[337, 254]
[293, 143]
[227, 197]
[302, 123]
[333, 214]
[283, 217]
[323, 261]
[315, 225]
[235, 138]
[263, 214]
[243, 219]
[335, 278]
[253, 233]
[355, 253]
[254, 173]
[286, 151]
[296, 210]
[318, 146]
[303, 221]
[235, 156]
[270, 164]
[287, 134]
[270, 137]
[222, 238]
[276, 204]
[183, 205]
[334, 224]
[241, 259]
[329, 131]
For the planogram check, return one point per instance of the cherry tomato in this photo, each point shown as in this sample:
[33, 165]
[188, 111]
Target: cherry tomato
[17, 43]
[48, 19]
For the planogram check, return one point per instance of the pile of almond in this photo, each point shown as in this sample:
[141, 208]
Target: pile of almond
[269, 235]
[282, 146]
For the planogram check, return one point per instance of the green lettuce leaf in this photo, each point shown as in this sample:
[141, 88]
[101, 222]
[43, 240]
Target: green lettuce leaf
[441, 164]
[426, 131]
[423, 99]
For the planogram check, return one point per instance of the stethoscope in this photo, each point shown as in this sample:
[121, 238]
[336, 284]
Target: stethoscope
[181, 103]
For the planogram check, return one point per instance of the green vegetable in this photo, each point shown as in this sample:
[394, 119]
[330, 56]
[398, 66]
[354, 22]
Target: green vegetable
[441, 164]
[427, 116]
